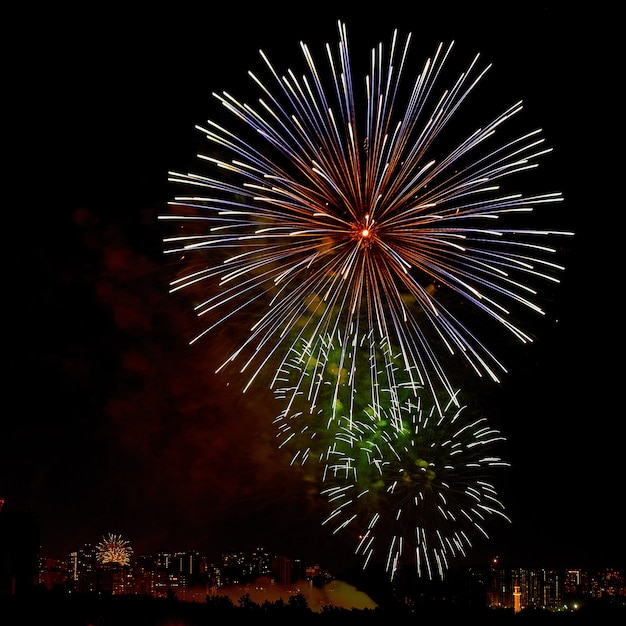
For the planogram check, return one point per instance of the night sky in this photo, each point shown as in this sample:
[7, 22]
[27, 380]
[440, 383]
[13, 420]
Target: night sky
[114, 424]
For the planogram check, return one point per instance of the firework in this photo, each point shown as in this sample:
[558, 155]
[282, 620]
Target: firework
[410, 483]
[417, 492]
[338, 390]
[366, 244]
[114, 549]
[323, 213]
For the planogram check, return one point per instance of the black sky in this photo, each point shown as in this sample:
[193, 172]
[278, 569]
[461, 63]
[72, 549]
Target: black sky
[114, 424]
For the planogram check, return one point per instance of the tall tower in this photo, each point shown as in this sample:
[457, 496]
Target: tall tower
[517, 595]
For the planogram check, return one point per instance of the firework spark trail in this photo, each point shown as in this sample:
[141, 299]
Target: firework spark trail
[321, 227]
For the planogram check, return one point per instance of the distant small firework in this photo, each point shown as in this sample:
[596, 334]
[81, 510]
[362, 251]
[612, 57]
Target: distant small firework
[114, 549]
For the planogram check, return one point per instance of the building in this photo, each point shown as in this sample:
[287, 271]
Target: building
[520, 588]
[19, 551]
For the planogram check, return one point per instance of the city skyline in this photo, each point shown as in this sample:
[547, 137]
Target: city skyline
[220, 556]
[263, 577]
[123, 427]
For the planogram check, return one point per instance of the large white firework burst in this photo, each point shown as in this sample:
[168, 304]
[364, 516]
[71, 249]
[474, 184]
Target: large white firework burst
[324, 219]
